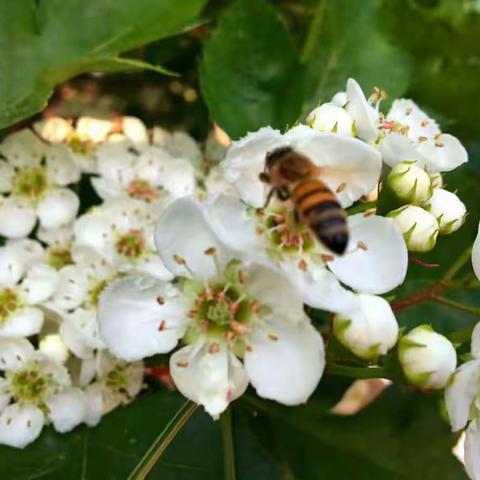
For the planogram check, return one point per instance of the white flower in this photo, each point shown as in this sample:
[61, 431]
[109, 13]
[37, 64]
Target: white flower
[241, 322]
[34, 390]
[76, 300]
[349, 166]
[53, 346]
[375, 261]
[364, 115]
[369, 331]
[420, 228]
[34, 177]
[25, 283]
[121, 231]
[179, 144]
[476, 255]
[448, 209]
[462, 401]
[428, 359]
[410, 183]
[152, 175]
[115, 383]
[330, 118]
[411, 135]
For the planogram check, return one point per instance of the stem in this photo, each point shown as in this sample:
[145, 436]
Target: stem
[227, 443]
[457, 305]
[458, 264]
[356, 372]
[422, 296]
[160, 444]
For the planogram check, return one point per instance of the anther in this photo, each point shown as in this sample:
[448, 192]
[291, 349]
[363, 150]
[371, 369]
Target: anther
[162, 326]
[327, 258]
[341, 187]
[160, 300]
[362, 245]
[273, 337]
[302, 265]
[408, 111]
[182, 364]
[214, 348]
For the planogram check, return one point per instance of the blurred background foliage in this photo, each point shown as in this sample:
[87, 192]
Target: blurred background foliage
[244, 64]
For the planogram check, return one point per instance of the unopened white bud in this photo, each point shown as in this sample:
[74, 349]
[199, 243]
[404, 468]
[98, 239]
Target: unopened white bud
[419, 227]
[371, 330]
[53, 129]
[428, 359]
[410, 182]
[448, 209]
[339, 99]
[53, 346]
[331, 118]
[436, 179]
[476, 255]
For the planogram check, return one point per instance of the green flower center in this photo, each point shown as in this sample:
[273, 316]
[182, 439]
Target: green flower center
[143, 190]
[117, 378]
[223, 308]
[131, 244]
[79, 144]
[31, 385]
[59, 257]
[30, 183]
[285, 235]
[95, 292]
[9, 302]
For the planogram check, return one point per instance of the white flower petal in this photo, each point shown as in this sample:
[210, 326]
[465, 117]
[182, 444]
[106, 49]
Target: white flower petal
[396, 148]
[184, 231]
[17, 217]
[210, 379]
[23, 148]
[6, 176]
[475, 342]
[26, 322]
[53, 129]
[365, 117]
[61, 167]
[58, 208]
[140, 317]
[319, 287]
[347, 164]
[67, 409]
[5, 395]
[460, 393]
[339, 99]
[382, 266]
[106, 188]
[20, 425]
[40, 283]
[14, 352]
[75, 341]
[472, 447]
[153, 265]
[246, 159]
[94, 404]
[134, 129]
[407, 113]
[286, 361]
[85, 321]
[12, 267]
[444, 153]
[72, 288]
[93, 129]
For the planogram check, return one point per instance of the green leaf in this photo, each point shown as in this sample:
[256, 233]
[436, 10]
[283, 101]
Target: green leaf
[401, 435]
[43, 43]
[345, 40]
[249, 71]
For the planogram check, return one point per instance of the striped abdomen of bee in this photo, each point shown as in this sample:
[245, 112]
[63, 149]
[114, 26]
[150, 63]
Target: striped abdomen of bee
[317, 206]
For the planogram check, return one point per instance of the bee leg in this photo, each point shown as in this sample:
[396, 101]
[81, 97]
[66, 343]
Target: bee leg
[296, 216]
[264, 177]
[269, 197]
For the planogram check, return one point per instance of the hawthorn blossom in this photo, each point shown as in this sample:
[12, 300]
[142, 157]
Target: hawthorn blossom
[409, 134]
[76, 300]
[121, 231]
[35, 390]
[239, 321]
[33, 180]
[461, 398]
[151, 175]
[87, 134]
[108, 383]
[25, 283]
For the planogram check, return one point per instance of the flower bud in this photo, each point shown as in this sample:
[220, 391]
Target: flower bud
[427, 358]
[419, 227]
[371, 330]
[330, 118]
[339, 99]
[448, 209]
[436, 180]
[53, 346]
[410, 182]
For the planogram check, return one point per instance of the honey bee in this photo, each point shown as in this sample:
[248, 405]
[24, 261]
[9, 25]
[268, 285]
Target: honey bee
[294, 176]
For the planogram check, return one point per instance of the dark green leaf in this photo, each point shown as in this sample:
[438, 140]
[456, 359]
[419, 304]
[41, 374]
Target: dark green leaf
[43, 43]
[249, 71]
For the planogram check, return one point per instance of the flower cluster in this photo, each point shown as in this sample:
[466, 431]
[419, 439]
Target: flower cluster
[186, 252]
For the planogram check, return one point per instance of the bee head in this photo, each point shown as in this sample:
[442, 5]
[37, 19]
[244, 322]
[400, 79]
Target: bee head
[275, 155]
